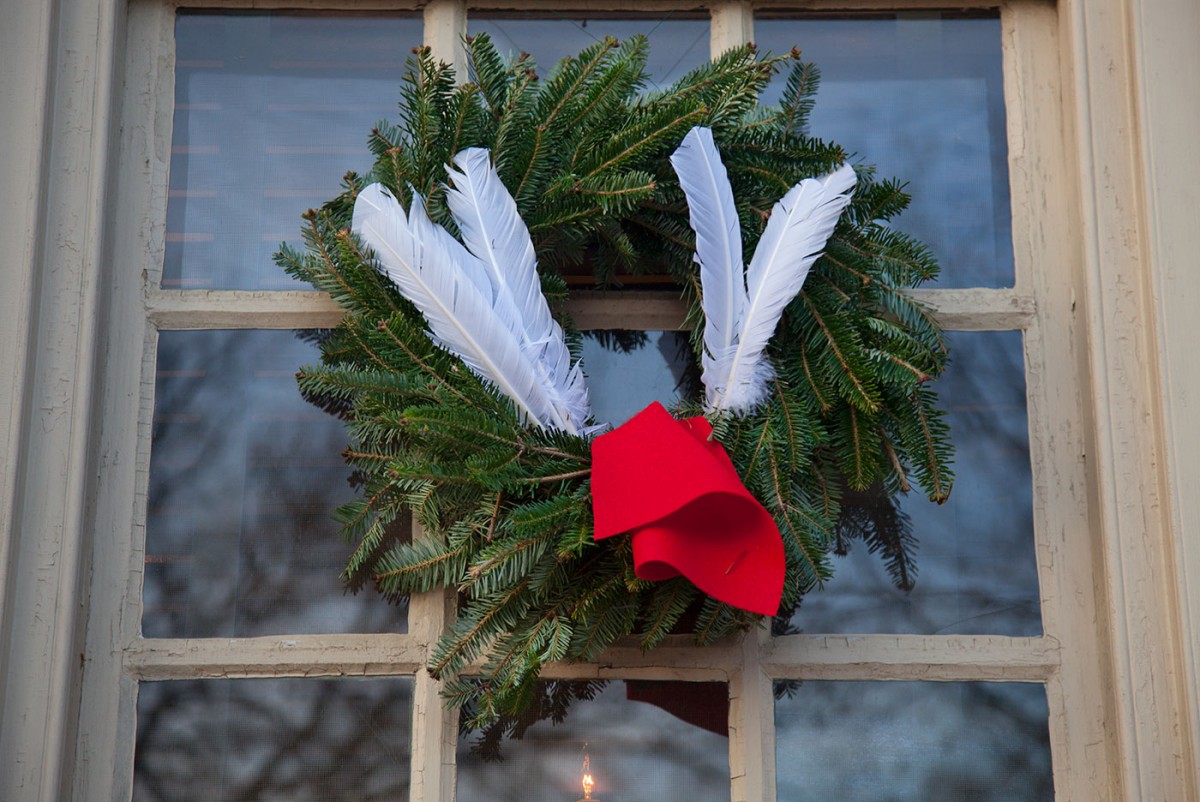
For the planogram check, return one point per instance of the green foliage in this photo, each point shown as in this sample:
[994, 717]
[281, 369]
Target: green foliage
[505, 509]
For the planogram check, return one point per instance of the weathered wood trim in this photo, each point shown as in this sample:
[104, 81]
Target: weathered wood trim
[69, 49]
[217, 309]
[1164, 40]
[964, 310]
[752, 724]
[584, 7]
[1056, 369]
[435, 728]
[108, 699]
[732, 25]
[283, 655]
[25, 40]
[787, 657]
[445, 27]
[1133, 507]
[949, 657]
[303, 5]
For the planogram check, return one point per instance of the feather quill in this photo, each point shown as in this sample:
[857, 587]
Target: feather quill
[736, 373]
[714, 218]
[451, 289]
[494, 232]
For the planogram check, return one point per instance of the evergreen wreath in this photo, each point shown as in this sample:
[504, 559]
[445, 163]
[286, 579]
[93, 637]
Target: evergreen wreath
[848, 426]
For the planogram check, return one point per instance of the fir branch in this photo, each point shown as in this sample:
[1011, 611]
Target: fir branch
[861, 394]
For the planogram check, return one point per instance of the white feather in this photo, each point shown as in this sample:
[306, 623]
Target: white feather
[494, 232]
[443, 281]
[742, 311]
[800, 225]
[714, 218]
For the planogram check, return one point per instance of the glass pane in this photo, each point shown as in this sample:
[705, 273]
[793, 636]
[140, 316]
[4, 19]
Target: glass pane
[626, 370]
[272, 740]
[977, 570]
[922, 99]
[678, 43]
[244, 478]
[271, 110]
[644, 741]
[912, 742]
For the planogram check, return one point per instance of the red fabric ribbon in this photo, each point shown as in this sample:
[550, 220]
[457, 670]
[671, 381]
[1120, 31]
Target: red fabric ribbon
[676, 490]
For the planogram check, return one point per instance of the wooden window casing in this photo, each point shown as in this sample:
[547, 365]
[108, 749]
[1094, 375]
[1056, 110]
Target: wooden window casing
[1064, 285]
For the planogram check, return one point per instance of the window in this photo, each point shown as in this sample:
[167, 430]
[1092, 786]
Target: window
[1034, 651]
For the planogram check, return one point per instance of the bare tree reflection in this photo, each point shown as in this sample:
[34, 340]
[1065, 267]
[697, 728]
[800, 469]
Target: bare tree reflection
[914, 742]
[276, 739]
[244, 480]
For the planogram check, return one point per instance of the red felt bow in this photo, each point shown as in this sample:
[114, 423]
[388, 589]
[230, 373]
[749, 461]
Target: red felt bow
[689, 512]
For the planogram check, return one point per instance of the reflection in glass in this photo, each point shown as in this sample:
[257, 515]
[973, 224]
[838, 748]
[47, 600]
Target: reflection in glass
[645, 741]
[244, 478]
[626, 370]
[271, 110]
[977, 570]
[913, 742]
[678, 44]
[300, 740]
[922, 99]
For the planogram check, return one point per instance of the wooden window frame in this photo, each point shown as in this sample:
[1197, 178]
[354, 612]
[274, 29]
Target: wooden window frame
[1094, 228]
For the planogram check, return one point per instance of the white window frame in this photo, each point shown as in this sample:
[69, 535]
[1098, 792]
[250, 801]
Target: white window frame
[1101, 170]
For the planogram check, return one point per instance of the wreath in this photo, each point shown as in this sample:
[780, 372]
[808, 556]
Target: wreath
[459, 378]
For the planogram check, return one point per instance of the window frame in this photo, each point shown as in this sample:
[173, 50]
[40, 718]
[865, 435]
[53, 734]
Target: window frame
[1114, 645]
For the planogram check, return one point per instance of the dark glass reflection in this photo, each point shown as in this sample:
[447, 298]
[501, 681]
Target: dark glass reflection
[271, 110]
[913, 742]
[244, 478]
[921, 97]
[626, 370]
[678, 44]
[977, 570]
[645, 741]
[270, 740]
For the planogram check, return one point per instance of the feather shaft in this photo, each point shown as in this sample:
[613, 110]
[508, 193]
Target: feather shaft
[743, 306]
[713, 216]
[435, 272]
[795, 236]
[494, 232]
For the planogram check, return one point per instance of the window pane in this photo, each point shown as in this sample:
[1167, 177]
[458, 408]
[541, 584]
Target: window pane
[626, 370]
[645, 742]
[244, 478]
[678, 43]
[271, 110]
[977, 570]
[921, 98]
[912, 742]
[273, 739]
